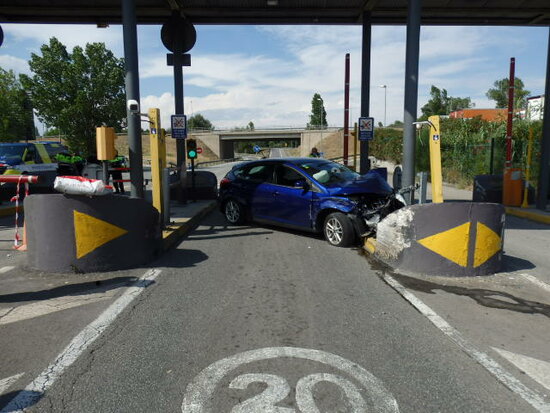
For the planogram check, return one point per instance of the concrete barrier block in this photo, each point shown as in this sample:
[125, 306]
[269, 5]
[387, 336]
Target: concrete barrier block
[71, 233]
[451, 239]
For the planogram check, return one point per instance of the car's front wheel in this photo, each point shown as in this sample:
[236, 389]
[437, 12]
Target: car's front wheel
[234, 212]
[338, 230]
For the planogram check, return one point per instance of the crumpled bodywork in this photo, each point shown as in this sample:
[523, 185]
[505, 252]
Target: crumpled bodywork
[366, 201]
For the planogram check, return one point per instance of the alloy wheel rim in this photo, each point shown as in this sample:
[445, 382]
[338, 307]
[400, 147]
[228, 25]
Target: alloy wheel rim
[232, 211]
[334, 231]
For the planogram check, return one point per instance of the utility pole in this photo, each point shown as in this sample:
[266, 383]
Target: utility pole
[385, 90]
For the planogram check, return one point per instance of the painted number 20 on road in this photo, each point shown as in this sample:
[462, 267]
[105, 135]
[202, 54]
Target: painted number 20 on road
[278, 389]
[201, 390]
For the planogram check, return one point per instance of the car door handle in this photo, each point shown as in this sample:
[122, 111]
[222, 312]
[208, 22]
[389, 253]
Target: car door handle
[276, 193]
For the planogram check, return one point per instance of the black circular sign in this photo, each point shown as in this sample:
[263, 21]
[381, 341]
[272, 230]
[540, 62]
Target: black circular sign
[1, 36]
[178, 31]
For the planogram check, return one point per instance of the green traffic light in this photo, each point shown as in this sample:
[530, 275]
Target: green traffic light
[192, 154]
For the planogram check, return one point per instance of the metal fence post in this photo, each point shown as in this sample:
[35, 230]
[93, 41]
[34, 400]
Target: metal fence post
[166, 196]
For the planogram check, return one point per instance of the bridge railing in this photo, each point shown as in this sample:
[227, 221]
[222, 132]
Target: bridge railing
[216, 162]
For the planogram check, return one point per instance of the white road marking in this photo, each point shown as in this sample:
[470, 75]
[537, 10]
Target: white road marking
[530, 396]
[538, 370]
[7, 268]
[7, 382]
[28, 311]
[203, 386]
[35, 390]
[536, 281]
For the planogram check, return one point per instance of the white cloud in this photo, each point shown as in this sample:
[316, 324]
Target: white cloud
[16, 64]
[34, 35]
[275, 89]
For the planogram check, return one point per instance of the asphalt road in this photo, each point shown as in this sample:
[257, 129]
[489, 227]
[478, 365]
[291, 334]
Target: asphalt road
[255, 319]
[258, 319]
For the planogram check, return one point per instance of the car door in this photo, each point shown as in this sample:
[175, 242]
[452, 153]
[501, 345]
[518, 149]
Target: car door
[251, 185]
[290, 205]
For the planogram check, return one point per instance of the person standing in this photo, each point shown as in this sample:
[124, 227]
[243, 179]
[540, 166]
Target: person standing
[314, 153]
[116, 175]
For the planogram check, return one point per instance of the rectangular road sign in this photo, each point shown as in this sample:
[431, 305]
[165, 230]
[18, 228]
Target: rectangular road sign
[179, 126]
[366, 129]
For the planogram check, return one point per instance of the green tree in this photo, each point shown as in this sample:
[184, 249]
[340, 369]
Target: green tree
[199, 122]
[441, 103]
[250, 126]
[318, 116]
[77, 92]
[16, 116]
[500, 93]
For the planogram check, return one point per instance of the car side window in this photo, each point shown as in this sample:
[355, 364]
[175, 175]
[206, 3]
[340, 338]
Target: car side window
[54, 148]
[31, 155]
[287, 176]
[256, 173]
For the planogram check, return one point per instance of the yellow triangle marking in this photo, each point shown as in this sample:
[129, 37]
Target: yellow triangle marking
[91, 233]
[451, 244]
[488, 243]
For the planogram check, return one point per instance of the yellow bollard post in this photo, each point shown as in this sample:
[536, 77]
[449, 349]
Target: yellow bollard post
[355, 147]
[525, 203]
[435, 160]
[158, 157]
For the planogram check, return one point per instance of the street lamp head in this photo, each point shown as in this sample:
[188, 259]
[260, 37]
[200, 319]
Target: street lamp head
[384, 86]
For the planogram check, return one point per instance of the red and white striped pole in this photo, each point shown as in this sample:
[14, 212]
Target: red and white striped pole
[16, 179]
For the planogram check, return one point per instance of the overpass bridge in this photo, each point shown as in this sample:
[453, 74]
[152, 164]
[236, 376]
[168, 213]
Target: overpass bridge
[222, 143]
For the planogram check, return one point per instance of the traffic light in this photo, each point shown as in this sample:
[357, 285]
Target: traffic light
[191, 149]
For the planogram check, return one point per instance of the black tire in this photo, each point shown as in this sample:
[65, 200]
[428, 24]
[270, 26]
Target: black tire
[234, 212]
[338, 230]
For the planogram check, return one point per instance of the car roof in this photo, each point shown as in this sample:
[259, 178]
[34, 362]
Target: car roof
[283, 160]
[29, 143]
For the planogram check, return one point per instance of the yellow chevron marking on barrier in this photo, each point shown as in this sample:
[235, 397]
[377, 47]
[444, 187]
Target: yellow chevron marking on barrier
[451, 244]
[488, 243]
[91, 233]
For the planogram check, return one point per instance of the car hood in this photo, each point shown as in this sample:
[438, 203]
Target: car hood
[370, 183]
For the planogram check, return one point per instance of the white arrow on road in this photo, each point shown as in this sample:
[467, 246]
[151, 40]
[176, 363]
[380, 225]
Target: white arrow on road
[538, 370]
[7, 382]
[25, 312]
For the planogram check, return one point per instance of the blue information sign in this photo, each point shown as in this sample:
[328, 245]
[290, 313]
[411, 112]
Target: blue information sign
[179, 126]
[257, 148]
[366, 129]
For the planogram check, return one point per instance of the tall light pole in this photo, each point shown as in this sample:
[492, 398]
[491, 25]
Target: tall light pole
[385, 90]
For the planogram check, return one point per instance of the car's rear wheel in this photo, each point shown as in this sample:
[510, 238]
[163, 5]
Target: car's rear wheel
[234, 212]
[338, 230]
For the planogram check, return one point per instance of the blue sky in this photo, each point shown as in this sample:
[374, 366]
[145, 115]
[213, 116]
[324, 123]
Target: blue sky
[268, 74]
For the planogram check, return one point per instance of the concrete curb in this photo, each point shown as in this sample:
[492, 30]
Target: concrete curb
[180, 227]
[529, 214]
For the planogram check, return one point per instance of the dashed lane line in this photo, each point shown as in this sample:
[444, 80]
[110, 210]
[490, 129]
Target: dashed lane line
[8, 381]
[530, 396]
[7, 268]
[36, 389]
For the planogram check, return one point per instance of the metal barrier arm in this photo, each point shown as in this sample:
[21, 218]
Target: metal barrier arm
[14, 179]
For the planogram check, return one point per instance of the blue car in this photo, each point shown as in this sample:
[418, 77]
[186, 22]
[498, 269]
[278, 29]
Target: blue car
[308, 194]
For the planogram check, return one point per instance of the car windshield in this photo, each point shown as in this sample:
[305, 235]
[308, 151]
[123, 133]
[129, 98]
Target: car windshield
[11, 151]
[328, 173]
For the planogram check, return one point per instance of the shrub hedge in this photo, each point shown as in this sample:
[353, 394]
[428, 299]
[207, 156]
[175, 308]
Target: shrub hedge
[465, 147]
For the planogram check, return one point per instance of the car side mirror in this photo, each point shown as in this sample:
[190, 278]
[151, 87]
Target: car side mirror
[301, 183]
